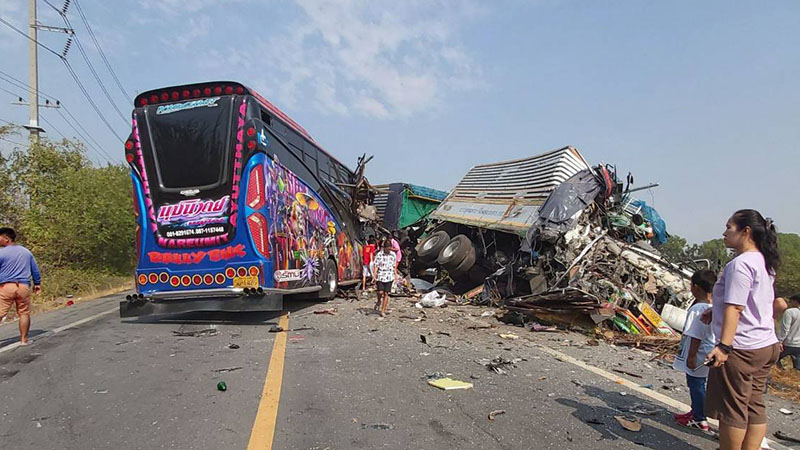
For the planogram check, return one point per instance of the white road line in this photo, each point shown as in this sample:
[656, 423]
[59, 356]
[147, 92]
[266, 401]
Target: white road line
[62, 328]
[669, 401]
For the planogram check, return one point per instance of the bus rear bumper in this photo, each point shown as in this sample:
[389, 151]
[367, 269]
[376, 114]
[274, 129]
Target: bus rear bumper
[137, 307]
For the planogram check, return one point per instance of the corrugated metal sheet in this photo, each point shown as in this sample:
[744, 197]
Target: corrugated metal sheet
[506, 195]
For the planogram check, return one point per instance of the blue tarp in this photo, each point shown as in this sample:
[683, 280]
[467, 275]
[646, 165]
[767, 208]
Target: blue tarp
[658, 224]
[427, 192]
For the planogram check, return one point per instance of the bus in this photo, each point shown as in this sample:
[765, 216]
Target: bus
[236, 205]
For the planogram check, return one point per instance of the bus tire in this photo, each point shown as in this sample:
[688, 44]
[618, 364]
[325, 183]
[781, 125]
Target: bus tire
[430, 247]
[330, 280]
[454, 252]
[463, 268]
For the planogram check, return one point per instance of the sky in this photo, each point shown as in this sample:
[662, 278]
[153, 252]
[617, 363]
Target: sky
[701, 97]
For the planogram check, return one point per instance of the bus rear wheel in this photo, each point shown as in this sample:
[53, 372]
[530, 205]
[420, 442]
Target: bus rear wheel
[330, 280]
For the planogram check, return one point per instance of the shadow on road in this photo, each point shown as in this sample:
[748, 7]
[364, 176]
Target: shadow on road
[227, 317]
[601, 419]
[10, 340]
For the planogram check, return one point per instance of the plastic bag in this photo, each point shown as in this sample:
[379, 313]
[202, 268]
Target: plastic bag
[432, 300]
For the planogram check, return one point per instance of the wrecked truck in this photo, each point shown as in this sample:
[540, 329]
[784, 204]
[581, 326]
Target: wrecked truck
[482, 223]
[556, 239]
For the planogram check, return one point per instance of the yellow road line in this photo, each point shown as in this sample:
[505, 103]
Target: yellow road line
[264, 427]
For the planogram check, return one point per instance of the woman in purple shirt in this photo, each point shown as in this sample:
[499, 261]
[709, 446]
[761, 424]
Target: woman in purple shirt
[742, 321]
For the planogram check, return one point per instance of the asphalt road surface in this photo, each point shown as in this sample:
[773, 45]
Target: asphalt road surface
[341, 381]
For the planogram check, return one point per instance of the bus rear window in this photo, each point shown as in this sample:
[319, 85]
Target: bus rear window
[191, 142]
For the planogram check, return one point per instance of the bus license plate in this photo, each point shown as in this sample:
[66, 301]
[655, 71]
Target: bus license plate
[245, 282]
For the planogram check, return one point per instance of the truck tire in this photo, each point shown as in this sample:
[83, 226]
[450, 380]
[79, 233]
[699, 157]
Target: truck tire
[430, 247]
[464, 267]
[455, 251]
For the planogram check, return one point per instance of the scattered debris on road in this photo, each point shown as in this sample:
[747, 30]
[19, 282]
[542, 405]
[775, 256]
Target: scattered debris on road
[785, 437]
[634, 424]
[330, 311]
[785, 411]
[196, 331]
[227, 369]
[222, 386]
[625, 372]
[233, 346]
[499, 365]
[377, 426]
[448, 384]
[496, 413]
[641, 409]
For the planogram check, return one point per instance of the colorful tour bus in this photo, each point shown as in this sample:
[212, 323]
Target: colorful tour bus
[236, 205]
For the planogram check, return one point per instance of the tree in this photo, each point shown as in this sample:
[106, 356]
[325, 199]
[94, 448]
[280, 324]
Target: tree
[674, 250]
[788, 282]
[713, 251]
[75, 217]
[79, 216]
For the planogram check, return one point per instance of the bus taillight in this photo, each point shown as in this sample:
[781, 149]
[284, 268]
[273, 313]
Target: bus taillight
[255, 188]
[258, 230]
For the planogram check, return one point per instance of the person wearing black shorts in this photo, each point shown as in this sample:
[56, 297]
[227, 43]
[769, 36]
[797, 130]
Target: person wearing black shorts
[383, 272]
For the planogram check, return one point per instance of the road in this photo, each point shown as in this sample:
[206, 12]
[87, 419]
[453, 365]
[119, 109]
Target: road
[351, 381]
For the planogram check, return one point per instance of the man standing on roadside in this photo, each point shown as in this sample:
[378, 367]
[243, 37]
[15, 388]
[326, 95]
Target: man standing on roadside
[789, 332]
[17, 266]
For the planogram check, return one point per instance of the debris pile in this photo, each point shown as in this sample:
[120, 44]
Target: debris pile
[591, 260]
[587, 255]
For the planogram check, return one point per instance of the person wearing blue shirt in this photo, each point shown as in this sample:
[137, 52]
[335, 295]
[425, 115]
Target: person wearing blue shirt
[17, 267]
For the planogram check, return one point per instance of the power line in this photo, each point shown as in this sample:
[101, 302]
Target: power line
[91, 68]
[51, 5]
[93, 143]
[8, 24]
[23, 85]
[90, 141]
[97, 159]
[13, 142]
[89, 99]
[6, 90]
[100, 50]
[74, 76]
[53, 127]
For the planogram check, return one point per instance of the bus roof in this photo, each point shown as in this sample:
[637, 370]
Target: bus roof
[215, 88]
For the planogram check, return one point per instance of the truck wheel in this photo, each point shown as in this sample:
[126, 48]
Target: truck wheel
[330, 281]
[455, 251]
[465, 265]
[432, 245]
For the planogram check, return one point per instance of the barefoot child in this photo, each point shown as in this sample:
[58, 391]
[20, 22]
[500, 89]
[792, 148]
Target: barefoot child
[384, 274]
[696, 343]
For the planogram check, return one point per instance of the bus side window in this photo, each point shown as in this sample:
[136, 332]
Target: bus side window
[291, 158]
[310, 155]
[323, 163]
[266, 118]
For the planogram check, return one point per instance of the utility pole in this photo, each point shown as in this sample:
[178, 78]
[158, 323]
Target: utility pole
[33, 51]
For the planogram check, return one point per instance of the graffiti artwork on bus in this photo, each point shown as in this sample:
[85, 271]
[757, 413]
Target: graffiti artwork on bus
[302, 230]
